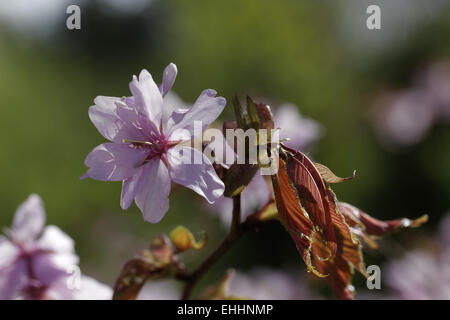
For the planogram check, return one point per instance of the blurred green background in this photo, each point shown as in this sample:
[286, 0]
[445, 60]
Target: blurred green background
[316, 54]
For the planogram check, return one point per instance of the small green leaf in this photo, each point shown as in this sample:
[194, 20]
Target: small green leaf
[329, 177]
[238, 112]
[252, 113]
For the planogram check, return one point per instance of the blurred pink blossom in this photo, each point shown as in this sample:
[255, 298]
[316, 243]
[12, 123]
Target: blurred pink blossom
[254, 197]
[160, 290]
[37, 262]
[437, 83]
[423, 274]
[267, 284]
[301, 131]
[404, 117]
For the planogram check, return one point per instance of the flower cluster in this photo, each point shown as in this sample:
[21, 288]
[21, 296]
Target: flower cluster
[40, 263]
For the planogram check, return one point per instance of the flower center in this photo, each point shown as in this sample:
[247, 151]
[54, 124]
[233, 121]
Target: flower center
[34, 290]
[157, 146]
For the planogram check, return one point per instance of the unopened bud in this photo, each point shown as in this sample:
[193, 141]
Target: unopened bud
[183, 240]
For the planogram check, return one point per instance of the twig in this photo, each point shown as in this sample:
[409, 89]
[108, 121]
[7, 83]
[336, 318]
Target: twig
[237, 229]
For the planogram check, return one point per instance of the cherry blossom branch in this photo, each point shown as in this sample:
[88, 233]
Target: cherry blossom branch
[237, 230]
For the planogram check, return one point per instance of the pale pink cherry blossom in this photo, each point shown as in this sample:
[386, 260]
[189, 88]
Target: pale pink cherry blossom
[146, 151]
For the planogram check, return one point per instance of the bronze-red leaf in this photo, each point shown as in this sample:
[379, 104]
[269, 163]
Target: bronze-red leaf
[357, 218]
[147, 264]
[293, 216]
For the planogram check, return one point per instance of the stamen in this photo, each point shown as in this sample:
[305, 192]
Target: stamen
[138, 142]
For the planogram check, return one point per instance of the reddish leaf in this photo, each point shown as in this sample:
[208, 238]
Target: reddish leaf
[148, 264]
[339, 271]
[308, 209]
[366, 226]
[340, 268]
[265, 116]
[312, 192]
[325, 231]
[293, 216]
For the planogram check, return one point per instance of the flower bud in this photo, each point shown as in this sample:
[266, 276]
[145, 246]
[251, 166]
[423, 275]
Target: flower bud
[183, 240]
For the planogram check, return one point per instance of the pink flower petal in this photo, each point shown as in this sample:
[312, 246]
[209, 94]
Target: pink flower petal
[113, 162]
[169, 76]
[206, 109]
[11, 279]
[29, 219]
[153, 198]
[104, 117]
[57, 241]
[147, 96]
[131, 187]
[8, 253]
[201, 178]
[135, 126]
[173, 110]
[46, 271]
[91, 289]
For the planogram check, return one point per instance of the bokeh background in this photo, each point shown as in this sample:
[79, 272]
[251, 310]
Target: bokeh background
[318, 55]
